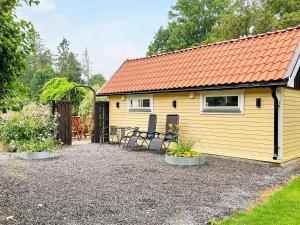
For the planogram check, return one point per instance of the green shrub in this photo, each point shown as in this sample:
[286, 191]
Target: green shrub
[31, 129]
[86, 107]
[58, 89]
[38, 145]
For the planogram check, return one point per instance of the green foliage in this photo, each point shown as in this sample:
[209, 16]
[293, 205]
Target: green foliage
[32, 126]
[67, 64]
[236, 22]
[40, 77]
[37, 145]
[190, 22]
[15, 44]
[283, 207]
[15, 99]
[253, 17]
[193, 22]
[97, 80]
[58, 89]
[184, 148]
[39, 68]
[87, 105]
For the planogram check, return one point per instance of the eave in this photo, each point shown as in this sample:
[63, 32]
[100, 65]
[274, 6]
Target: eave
[277, 83]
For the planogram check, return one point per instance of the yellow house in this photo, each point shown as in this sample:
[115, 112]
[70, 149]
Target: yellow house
[239, 98]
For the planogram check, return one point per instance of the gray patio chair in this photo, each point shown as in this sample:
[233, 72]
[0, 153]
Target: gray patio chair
[126, 134]
[132, 142]
[147, 136]
[171, 130]
[111, 134]
[157, 144]
[161, 141]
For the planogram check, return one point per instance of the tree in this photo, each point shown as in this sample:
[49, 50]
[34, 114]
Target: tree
[238, 21]
[97, 79]
[16, 40]
[67, 64]
[253, 17]
[194, 22]
[58, 88]
[40, 77]
[159, 45]
[277, 14]
[17, 98]
[39, 61]
[190, 22]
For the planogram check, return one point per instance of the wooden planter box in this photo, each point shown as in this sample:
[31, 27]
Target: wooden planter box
[38, 155]
[185, 161]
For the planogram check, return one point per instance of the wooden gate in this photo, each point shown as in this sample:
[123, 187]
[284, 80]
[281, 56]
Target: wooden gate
[101, 120]
[64, 109]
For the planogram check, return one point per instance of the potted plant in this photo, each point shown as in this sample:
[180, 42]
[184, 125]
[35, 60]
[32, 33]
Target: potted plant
[183, 155]
[45, 148]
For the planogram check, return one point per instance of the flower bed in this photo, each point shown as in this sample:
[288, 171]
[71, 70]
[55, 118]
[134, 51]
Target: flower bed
[33, 129]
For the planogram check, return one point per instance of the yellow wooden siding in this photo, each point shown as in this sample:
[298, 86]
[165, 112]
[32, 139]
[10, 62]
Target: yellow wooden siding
[291, 124]
[248, 135]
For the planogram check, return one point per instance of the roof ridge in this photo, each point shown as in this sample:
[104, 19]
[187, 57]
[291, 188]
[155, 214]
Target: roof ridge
[216, 43]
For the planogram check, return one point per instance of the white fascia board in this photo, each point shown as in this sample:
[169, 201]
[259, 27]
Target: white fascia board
[293, 67]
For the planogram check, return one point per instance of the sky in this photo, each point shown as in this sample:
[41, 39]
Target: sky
[111, 30]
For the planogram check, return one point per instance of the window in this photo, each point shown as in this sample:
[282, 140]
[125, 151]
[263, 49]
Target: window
[222, 103]
[140, 104]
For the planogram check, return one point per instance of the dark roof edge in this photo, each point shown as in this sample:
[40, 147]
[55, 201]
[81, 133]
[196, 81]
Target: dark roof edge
[204, 88]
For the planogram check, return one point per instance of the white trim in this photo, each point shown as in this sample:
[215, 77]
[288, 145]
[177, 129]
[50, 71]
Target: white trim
[293, 67]
[279, 93]
[130, 97]
[239, 93]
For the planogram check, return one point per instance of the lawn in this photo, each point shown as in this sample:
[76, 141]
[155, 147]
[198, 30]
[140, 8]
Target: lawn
[282, 208]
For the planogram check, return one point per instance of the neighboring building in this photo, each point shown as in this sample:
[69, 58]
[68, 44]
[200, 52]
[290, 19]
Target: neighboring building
[240, 98]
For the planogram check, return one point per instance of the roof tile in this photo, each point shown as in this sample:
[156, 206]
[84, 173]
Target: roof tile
[260, 58]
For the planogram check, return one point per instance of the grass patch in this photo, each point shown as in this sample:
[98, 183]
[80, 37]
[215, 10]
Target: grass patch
[283, 207]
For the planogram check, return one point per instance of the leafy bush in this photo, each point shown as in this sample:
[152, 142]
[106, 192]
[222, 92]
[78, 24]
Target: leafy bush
[31, 129]
[58, 89]
[86, 107]
[38, 145]
[15, 99]
[184, 148]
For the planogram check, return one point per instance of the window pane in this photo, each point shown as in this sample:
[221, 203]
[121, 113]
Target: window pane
[222, 101]
[140, 103]
[135, 103]
[146, 103]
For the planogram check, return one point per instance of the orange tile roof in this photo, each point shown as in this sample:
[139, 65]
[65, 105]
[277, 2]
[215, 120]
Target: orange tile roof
[254, 59]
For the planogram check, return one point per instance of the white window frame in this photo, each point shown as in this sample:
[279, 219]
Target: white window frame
[140, 109]
[222, 109]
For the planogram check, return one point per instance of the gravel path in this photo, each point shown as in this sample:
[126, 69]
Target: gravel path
[108, 185]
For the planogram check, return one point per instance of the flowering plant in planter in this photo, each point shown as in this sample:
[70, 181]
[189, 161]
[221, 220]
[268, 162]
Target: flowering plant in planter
[183, 155]
[184, 148]
[33, 129]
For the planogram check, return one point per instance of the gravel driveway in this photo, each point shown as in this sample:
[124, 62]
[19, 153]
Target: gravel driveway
[109, 185]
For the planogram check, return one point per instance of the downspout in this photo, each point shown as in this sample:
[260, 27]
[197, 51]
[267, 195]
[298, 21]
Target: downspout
[276, 122]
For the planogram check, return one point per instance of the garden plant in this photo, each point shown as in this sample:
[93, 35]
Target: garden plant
[33, 129]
